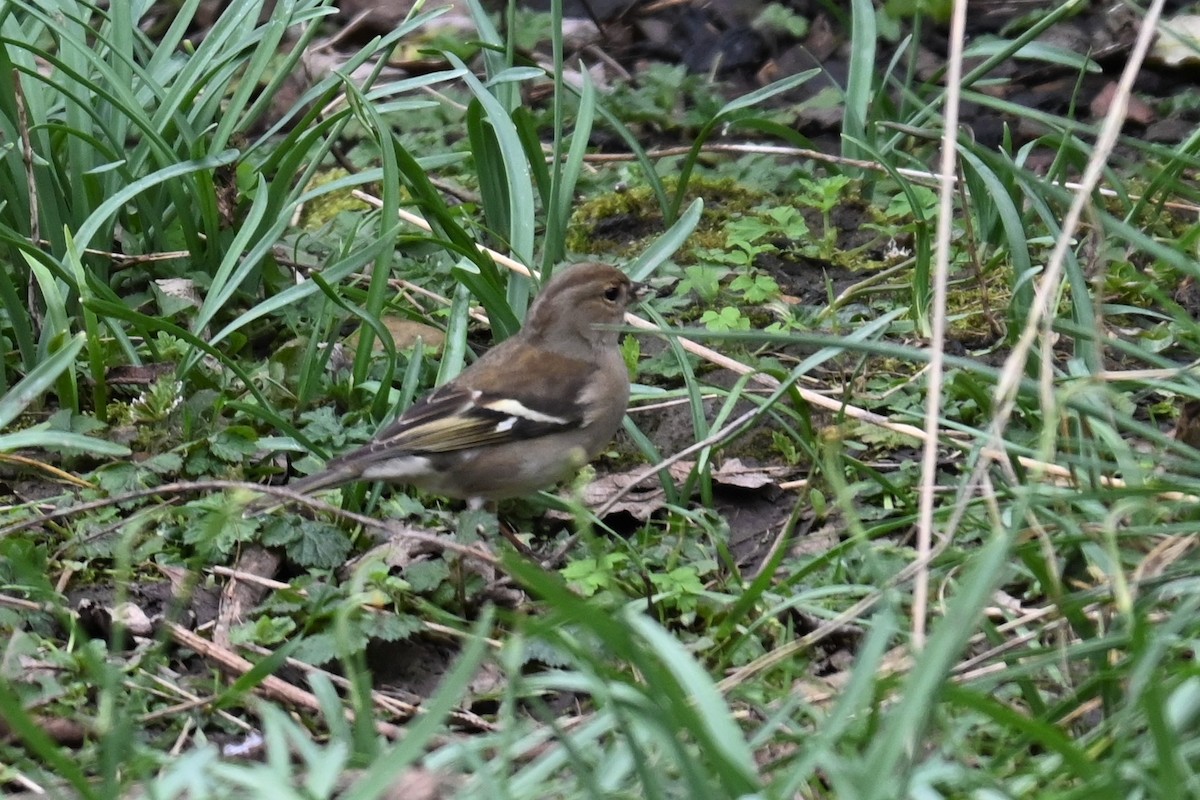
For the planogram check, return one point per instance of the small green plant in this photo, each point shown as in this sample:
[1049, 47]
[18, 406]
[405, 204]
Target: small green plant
[824, 194]
[589, 576]
[772, 229]
[668, 96]
[680, 589]
[725, 319]
[777, 222]
[777, 18]
[755, 288]
[703, 279]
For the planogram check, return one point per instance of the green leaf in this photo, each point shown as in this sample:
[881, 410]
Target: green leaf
[1032, 51]
[215, 522]
[234, 443]
[39, 380]
[391, 627]
[321, 648]
[426, 576]
[319, 545]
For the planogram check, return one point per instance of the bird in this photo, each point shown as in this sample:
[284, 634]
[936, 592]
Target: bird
[528, 413]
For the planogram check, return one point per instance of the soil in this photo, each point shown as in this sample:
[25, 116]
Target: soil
[728, 40]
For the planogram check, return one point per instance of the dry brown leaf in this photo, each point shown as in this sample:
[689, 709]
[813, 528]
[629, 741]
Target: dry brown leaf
[733, 472]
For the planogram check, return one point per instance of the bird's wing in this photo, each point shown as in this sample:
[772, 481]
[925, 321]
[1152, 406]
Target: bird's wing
[469, 412]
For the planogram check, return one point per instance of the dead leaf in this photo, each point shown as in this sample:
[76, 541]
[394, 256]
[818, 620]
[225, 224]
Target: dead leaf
[1139, 111]
[137, 374]
[405, 333]
[733, 472]
[1179, 42]
[182, 289]
[239, 597]
[640, 502]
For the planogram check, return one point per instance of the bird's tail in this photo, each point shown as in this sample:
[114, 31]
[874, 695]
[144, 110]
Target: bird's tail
[325, 479]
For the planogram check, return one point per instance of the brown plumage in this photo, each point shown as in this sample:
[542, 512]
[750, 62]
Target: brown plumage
[524, 416]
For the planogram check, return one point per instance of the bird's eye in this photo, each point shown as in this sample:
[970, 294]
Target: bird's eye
[612, 293]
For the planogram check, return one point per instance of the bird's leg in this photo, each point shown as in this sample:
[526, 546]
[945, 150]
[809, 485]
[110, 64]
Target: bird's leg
[478, 525]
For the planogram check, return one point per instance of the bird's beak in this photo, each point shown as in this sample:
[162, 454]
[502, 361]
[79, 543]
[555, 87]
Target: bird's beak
[641, 291]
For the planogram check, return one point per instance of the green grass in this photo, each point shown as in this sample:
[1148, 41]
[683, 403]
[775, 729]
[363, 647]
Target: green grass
[1052, 655]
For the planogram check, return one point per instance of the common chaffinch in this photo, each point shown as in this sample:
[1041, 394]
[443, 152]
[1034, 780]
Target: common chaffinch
[524, 416]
